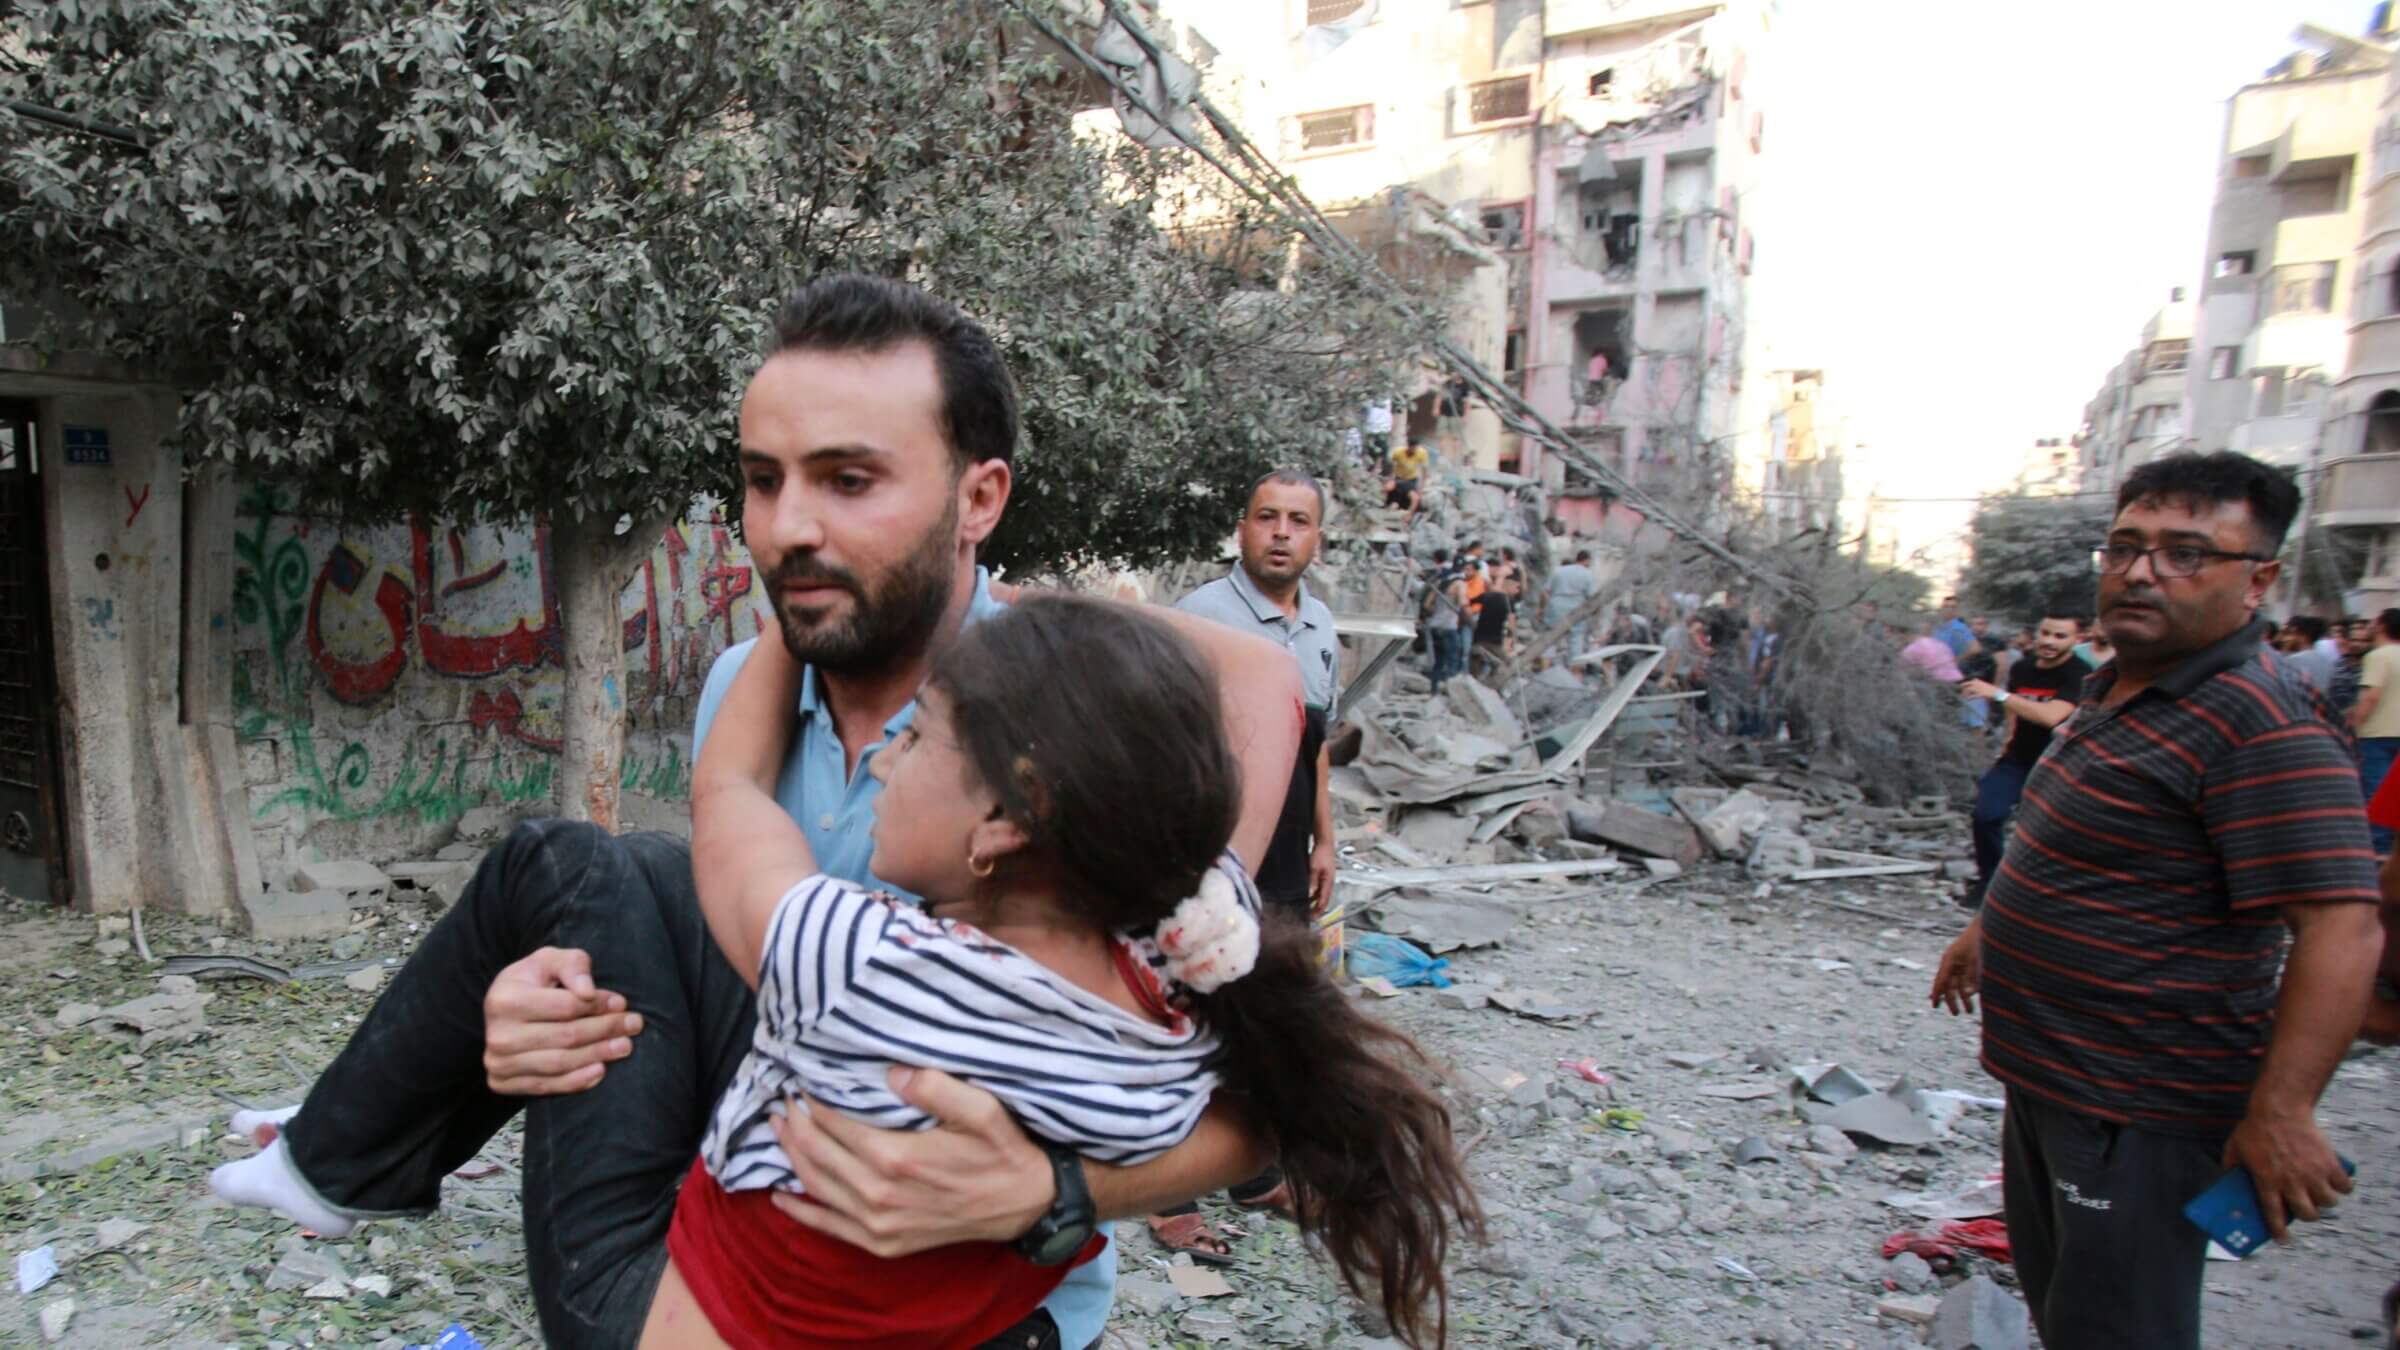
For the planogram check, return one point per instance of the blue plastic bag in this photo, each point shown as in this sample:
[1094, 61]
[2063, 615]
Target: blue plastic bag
[1403, 963]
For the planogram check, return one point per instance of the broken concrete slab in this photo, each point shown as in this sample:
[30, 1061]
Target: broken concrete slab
[1879, 1117]
[1443, 924]
[1914, 1309]
[1732, 823]
[1779, 853]
[160, 1018]
[439, 881]
[1483, 708]
[1435, 831]
[363, 883]
[1980, 1315]
[293, 916]
[1635, 830]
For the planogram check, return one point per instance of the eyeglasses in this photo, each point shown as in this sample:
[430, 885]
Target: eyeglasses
[2167, 560]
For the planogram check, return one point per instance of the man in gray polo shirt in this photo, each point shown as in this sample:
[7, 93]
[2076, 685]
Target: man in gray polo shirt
[1280, 530]
[1281, 527]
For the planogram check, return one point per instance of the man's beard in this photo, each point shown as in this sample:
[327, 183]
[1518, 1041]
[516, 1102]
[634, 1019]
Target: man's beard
[890, 625]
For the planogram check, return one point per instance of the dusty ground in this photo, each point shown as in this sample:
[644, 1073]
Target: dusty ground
[1645, 1249]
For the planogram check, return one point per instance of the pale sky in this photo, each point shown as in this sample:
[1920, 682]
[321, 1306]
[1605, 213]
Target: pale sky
[1977, 207]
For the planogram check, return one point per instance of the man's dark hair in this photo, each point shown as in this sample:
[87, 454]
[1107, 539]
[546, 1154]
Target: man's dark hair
[1440, 556]
[2389, 622]
[852, 312]
[1472, 545]
[2219, 476]
[1583, 556]
[1289, 478]
[2308, 626]
[2069, 610]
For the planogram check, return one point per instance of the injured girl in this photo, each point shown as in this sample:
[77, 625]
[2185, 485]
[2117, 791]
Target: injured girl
[1086, 952]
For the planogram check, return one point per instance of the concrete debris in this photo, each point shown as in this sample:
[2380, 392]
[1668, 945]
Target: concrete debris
[304, 1268]
[1914, 1309]
[361, 884]
[440, 881]
[365, 980]
[378, 1285]
[294, 916]
[1483, 709]
[1778, 854]
[1879, 1117]
[1735, 821]
[1980, 1315]
[55, 1316]
[169, 1019]
[1445, 923]
[1635, 830]
[1909, 1273]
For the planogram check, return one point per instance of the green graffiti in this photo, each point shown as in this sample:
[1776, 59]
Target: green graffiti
[667, 777]
[270, 589]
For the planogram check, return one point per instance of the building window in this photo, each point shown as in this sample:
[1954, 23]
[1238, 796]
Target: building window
[1336, 128]
[1602, 83]
[1504, 225]
[2221, 362]
[1332, 11]
[2383, 423]
[2170, 355]
[2300, 288]
[2250, 166]
[1512, 354]
[2239, 264]
[1501, 100]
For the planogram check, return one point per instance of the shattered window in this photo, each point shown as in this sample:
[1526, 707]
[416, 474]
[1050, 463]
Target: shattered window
[2171, 354]
[1336, 127]
[2300, 288]
[1500, 100]
[1504, 226]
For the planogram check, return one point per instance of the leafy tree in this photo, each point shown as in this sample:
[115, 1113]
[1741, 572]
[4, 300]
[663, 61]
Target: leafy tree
[2027, 554]
[498, 261]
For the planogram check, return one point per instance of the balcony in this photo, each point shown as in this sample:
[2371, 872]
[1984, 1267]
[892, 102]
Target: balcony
[2360, 490]
[1572, 18]
[2325, 238]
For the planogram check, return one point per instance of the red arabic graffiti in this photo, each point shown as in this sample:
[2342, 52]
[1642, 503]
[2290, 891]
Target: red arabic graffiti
[415, 613]
[505, 712]
[676, 647]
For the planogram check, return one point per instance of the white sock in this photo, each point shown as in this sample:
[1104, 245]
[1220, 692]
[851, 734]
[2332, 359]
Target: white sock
[261, 1127]
[268, 1180]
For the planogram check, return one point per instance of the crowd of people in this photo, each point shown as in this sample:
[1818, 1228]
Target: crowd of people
[998, 918]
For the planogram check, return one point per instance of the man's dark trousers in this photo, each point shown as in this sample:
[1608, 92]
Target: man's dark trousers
[1996, 797]
[2095, 1222]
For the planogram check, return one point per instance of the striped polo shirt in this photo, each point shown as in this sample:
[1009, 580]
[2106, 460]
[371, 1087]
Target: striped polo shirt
[2131, 940]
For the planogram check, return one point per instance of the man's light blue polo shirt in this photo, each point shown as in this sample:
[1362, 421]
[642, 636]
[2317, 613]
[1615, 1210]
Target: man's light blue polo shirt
[836, 810]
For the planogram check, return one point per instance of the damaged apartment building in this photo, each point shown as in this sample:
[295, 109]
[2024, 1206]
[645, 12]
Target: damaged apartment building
[1594, 161]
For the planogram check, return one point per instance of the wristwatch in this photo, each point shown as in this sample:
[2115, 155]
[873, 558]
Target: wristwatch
[1999, 696]
[1058, 1235]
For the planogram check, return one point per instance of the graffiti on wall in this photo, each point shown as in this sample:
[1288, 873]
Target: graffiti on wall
[416, 671]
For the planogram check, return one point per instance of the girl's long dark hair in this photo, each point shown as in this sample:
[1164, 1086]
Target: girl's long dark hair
[1099, 729]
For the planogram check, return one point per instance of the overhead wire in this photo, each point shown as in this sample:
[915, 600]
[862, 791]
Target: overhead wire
[1268, 186]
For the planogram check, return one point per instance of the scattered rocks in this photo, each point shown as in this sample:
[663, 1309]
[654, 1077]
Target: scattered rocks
[55, 1316]
[1909, 1273]
[366, 979]
[1980, 1315]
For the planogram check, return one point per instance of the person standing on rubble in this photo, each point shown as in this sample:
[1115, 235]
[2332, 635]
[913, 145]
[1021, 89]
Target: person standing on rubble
[2040, 694]
[1281, 527]
[1495, 626]
[1571, 588]
[1439, 610]
[2139, 1006]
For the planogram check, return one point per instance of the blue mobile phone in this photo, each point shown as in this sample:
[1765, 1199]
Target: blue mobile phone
[2229, 1211]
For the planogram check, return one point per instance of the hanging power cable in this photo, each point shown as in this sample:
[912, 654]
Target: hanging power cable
[1267, 186]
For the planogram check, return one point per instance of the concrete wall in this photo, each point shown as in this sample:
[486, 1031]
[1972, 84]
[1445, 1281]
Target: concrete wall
[387, 679]
[146, 822]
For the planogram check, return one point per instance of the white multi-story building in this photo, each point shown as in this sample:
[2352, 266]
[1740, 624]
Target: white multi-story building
[2273, 331]
[2350, 556]
[2139, 412]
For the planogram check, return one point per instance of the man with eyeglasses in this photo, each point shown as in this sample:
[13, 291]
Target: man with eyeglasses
[2130, 950]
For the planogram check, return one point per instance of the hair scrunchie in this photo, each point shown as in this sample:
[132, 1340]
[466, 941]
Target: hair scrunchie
[1210, 940]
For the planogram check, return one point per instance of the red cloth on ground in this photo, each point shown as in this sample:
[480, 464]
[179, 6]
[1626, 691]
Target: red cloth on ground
[766, 1282]
[1984, 1237]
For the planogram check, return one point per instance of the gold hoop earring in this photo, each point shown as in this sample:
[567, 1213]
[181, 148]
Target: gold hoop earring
[979, 867]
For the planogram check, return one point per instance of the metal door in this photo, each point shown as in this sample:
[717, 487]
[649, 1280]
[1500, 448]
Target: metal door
[32, 844]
